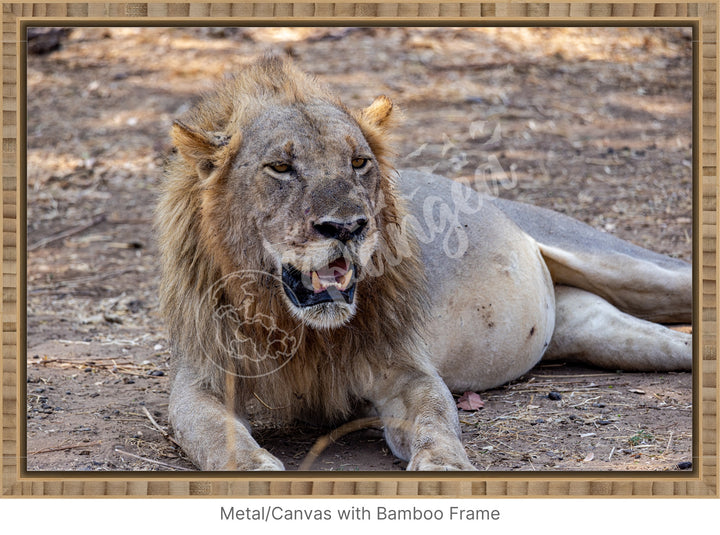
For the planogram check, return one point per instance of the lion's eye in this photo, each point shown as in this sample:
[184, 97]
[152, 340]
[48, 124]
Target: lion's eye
[359, 163]
[280, 167]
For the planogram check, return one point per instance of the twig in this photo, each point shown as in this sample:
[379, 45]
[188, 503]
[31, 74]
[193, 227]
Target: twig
[122, 452]
[112, 367]
[61, 448]
[82, 280]
[506, 418]
[479, 66]
[268, 406]
[67, 233]
[667, 448]
[598, 161]
[157, 426]
[574, 375]
[324, 441]
[588, 400]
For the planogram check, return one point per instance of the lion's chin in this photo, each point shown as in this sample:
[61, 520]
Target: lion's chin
[325, 315]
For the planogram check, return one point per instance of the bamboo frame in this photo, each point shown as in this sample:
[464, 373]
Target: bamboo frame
[702, 481]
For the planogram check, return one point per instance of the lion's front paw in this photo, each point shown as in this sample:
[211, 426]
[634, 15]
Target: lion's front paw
[258, 460]
[439, 461]
[246, 460]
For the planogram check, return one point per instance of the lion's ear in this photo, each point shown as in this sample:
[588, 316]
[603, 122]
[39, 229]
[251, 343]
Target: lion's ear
[206, 151]
[375, 122]
[379, 112]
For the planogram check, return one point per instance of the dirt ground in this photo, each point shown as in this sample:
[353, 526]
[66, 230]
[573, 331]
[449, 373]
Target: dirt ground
[594, 123]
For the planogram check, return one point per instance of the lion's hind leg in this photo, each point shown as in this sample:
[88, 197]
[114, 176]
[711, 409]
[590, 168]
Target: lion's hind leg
[640, 282]
[589, 329]
[211, 434]
[648, 290]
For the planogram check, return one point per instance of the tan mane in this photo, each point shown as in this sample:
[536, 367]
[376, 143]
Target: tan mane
[216, 307]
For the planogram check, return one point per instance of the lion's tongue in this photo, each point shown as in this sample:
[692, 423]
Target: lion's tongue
[336, 274]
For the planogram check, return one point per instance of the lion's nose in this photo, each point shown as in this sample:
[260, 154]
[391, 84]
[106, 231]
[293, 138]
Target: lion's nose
[341, 230]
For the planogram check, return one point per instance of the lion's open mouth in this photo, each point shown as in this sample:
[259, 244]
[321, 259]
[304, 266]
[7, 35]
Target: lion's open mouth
[332, 283]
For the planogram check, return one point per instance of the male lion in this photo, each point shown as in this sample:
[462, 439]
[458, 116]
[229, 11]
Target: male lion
[301, 270]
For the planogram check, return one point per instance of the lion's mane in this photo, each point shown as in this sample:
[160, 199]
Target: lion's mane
[235, 328]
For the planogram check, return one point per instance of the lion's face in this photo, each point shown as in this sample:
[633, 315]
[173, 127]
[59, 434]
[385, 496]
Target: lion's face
[316, 189]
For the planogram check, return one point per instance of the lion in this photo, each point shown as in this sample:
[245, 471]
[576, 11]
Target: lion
[300, 270]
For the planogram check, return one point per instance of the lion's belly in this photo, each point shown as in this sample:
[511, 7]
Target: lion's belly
[492, 325]
[493, 304]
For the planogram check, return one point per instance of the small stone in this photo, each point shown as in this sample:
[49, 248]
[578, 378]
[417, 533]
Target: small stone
[555, 396]
[134, 306]
[685, 465]
[112, 318]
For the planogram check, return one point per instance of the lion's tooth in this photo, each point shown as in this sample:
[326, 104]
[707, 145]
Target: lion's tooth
[345, 281]
[316, 284]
